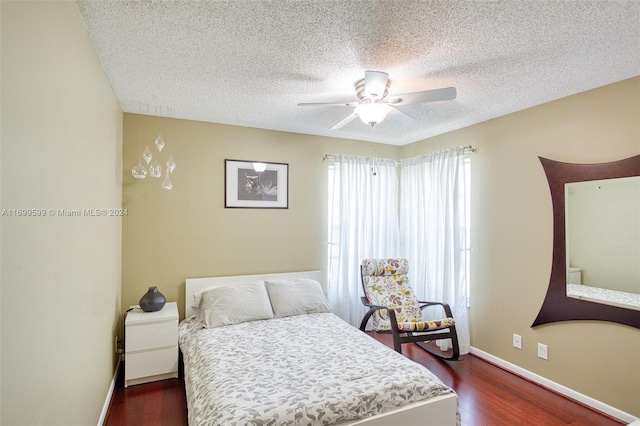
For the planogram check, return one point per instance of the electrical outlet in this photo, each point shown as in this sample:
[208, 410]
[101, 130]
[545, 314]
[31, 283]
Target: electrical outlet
[118, 345]
[115, 345]
[542, 351]
[517, 341]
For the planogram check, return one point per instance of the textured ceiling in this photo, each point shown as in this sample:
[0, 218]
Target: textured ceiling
[249, 63]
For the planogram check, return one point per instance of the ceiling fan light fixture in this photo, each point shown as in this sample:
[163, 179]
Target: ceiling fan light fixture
[375, 105]
[372, 113]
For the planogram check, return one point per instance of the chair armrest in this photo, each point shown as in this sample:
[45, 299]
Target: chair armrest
[366, 303]
[372, 309]
[445, 306]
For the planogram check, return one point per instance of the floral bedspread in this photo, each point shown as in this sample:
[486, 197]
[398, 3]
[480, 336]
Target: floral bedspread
[303, 370]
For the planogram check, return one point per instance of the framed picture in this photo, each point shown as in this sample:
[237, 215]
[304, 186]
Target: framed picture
[256, 185]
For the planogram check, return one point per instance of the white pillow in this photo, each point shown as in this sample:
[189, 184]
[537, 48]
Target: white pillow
[234, 304]
[197, 297]
[297, 297]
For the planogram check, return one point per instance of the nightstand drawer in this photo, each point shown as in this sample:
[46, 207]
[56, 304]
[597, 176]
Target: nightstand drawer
[151, 363]
[151, 336]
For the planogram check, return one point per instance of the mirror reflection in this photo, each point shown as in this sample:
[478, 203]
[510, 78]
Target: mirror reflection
[603, 241]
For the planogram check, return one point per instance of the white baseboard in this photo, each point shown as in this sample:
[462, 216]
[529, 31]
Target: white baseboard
[105, 407]
[556, 387]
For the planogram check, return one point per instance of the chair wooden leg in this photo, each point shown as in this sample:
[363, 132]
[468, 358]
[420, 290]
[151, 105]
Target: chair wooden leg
[365, 320]
[456, 346]
[455, 355]
[397, 342]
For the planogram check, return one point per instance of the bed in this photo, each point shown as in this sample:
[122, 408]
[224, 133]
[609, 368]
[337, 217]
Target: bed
[301, 366]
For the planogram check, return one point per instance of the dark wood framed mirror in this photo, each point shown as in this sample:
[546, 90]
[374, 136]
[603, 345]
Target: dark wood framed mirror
[557, 306]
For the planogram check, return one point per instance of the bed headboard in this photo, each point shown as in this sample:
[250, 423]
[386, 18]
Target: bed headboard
[194, 285]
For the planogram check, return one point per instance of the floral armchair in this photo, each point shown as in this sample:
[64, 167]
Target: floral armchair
[396, 309]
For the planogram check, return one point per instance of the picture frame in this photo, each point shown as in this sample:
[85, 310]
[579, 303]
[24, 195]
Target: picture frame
[256, 185]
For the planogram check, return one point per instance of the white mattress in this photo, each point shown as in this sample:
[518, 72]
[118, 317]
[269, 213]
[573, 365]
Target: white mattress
[303, 370]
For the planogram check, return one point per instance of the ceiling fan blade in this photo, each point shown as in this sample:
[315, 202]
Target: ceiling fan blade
[349, 104]
[399, 117]
[435, 95]
[375, 84]
[344, 122]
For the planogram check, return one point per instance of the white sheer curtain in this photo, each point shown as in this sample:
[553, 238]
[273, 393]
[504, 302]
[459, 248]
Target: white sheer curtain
[363, 222]
[433, 229]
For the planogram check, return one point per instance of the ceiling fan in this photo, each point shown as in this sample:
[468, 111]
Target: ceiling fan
[375, 103]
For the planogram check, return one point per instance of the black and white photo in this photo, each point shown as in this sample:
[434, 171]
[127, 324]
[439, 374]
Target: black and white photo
[253, 184]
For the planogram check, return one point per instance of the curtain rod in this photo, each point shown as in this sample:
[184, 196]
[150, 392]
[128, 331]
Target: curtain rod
[468, 149]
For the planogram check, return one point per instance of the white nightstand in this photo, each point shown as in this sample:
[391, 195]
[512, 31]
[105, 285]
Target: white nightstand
[151, 345]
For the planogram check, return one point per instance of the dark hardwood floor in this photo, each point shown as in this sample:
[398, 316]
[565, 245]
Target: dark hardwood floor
[487, 396]
[150, 404]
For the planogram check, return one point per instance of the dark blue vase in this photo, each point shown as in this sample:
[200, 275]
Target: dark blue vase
[152, 300]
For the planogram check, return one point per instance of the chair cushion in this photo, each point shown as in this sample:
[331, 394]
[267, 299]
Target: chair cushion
[386, 284]
[393, 291]
[380, 267]
[426, 325]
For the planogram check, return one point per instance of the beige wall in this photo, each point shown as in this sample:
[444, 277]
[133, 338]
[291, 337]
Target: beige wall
[169, 236]
[61, 149]
[512, 237]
